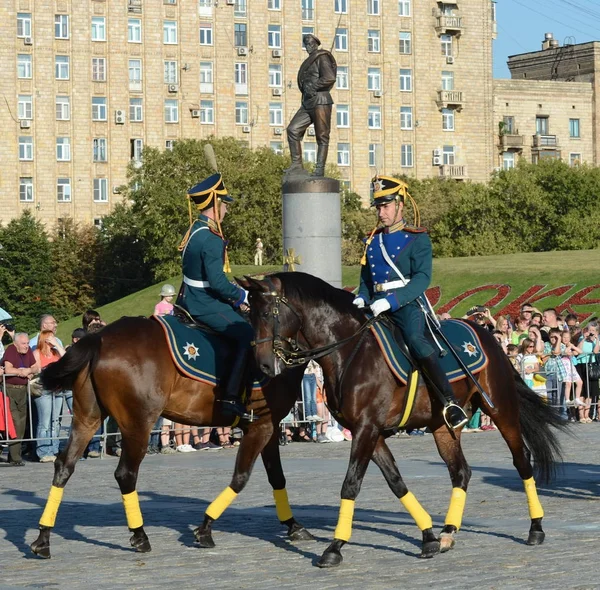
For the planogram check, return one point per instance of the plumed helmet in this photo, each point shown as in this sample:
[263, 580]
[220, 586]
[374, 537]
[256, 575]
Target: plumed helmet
[385, 189]
[167, 291]
[206, 193]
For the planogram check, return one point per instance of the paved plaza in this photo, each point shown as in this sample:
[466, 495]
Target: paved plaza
[90, 547]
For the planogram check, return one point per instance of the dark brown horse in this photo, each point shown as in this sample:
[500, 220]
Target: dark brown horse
[297, 317]
[126, 371]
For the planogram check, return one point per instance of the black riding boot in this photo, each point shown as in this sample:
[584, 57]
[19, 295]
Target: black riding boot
[321, 159]
[296, 154]
[453, 414]
[230, 397]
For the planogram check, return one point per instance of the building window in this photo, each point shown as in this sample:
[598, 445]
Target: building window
[374, 79]
[341, 39]
[134, 30]
[63, 190]
[25, 148]
[404, 7]
[374, 117]
[342, 78]
[275, 77]
[135, 74]
[61, 26]
[274, 4]
[448, 155]
[26, 189]
[343, 154]
[342, 115]
[98, 28]
[405, 41]
[274, 36]
[373, 41]
[374, 151]
[25, 106]
[275, 114]
[98, 108]
[574, 128]
[508, 160]
[574, 159]
[170, 72]
[406, 80]
[99, 149]
[541, 125]
[308, 9]
[240, 75]
[206, 77]
[241, 113]
[63, 149]
[171, 111]
[240, 36]
[448, 119]
[206, 34]
[23, 24]
[63, 108]
[277, 147]
[61, 67]
[136, 114]
[240, 8]
[169, 143]
[310, 152]
[508, 125]
[205, 7]
[136, 146]
[373, 7]
[446, 44]
[99, 69]
[406, 155]
[24, 65]
[447, 80]
[170, 32]
[406, 118]
[340, 6]
[207, 112]
[100, 190]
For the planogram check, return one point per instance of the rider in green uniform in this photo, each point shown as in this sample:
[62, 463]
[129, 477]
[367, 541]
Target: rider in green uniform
[207, 294]
[395, 274]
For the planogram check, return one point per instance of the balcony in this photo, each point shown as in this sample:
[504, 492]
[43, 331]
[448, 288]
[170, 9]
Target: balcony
[453, 171]
[450, 98]
[134, 6]
[543, 142]
[448, 25]
[508, 141]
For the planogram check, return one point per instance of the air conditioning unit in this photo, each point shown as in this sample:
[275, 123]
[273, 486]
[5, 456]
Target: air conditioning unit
[277, 131]
[230, 2]
[116, 190]
[28, 41]
[242, 50]
[311, 131]
[277, 53]
[437, 160]
[277, 92]
[377, 94]
[25, 124]
[120, 117]
[195, 113]
[437, 152]
[246, 129]
[173, 88]
[450, 59]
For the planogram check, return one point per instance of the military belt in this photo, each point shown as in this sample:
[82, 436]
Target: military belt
[194, 283]
[379, 287]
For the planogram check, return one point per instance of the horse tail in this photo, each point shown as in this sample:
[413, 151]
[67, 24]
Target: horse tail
[62, 374]
[536, 418]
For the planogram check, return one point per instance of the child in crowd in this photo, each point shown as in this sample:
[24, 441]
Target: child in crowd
[572, 378]
[527, 361]
[164, 306]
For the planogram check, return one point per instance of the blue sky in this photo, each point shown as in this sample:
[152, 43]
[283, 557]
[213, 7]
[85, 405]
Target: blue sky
[522, 24]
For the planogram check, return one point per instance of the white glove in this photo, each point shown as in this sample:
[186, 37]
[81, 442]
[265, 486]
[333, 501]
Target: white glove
[359, 302]
[380, 306]
[245, 297]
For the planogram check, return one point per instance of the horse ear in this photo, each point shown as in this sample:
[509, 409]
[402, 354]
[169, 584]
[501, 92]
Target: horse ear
[255, 285]
[242, 282]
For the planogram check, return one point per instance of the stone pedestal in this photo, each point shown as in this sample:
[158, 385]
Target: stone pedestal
[312, 227]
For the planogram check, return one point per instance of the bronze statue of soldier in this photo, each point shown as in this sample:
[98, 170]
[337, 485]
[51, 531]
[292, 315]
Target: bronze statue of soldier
[316, 78]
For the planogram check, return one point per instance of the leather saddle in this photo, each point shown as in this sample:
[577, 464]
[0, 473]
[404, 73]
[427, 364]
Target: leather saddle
[186, 319]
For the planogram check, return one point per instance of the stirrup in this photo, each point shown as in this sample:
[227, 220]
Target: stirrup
[236, 407]
[463, 420]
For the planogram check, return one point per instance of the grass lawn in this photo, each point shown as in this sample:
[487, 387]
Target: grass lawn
[453, 276]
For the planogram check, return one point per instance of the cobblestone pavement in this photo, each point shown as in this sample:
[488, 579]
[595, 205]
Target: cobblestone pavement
[90, 545]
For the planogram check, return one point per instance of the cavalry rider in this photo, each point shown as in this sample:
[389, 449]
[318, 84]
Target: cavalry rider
[396, 273]
[207, 294]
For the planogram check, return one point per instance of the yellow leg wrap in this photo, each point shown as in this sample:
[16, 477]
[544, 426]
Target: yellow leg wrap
[52, 504]
[131, 503]
[414, 508]
[343, 530]
[535, 508]
[282, 505]
[221, 503]
[456, 508]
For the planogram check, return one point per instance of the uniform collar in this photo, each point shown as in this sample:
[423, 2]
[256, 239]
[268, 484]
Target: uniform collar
[212, 224]
[399, 225]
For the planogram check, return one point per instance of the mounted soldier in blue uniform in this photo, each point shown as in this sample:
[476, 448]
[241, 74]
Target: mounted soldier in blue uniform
[206, 293]
[395, 274]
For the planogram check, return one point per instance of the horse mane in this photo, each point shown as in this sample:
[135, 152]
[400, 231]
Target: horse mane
[305, 287]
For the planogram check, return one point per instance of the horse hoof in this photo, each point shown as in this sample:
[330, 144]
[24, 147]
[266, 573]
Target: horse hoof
[140, 543]
[330, 559]
[429, 549]
[447, 542]
[536, 537]
[300, 534]
[204, 538]
[40, 548]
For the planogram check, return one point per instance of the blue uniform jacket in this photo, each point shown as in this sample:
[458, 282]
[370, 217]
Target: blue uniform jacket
[410, 250]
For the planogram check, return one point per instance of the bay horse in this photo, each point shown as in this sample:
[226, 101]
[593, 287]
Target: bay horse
[125, 371]
[297, 317]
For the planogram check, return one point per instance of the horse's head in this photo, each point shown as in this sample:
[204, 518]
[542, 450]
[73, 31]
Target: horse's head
[276, 322]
